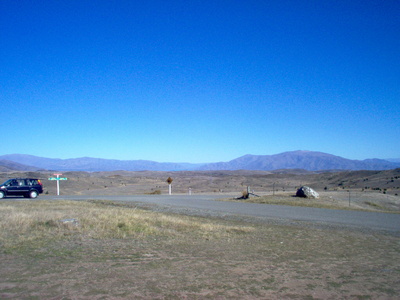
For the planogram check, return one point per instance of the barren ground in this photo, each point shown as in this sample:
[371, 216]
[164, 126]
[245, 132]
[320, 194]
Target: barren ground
[263, 261]
[270, 262]
[262, 182]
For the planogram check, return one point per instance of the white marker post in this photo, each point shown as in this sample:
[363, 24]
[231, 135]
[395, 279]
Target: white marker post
[58, 184]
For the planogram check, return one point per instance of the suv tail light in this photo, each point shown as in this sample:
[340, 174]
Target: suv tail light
[40, 182]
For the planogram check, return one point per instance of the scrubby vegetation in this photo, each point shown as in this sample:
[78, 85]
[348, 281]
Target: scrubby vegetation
[107, 250]
[29, 224]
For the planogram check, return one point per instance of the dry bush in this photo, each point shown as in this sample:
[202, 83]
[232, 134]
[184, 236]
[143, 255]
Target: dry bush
[155, 192]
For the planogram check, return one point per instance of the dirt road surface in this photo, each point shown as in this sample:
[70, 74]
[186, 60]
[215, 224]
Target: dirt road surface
[205, 205]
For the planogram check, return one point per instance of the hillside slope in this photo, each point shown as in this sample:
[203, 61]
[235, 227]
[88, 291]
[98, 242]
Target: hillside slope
[306, 160]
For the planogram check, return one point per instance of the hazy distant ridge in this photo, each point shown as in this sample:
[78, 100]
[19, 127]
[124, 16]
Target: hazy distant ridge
[96, 164]
[8, 165]
[307, 160]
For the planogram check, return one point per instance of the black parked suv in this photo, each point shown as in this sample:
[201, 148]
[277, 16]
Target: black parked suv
[27, 187]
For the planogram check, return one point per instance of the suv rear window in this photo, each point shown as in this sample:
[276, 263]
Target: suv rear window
[32, 181]
[21, 182]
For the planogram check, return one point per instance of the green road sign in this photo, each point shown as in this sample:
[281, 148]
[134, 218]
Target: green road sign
[61, 178]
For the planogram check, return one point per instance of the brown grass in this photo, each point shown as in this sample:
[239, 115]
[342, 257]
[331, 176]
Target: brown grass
[117, 251]
[24, 223]
[331, 200]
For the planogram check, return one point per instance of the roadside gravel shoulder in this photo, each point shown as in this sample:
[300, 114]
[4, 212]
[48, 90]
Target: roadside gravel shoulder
[208, 213]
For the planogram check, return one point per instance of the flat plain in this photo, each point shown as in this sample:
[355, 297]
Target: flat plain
[122, 251]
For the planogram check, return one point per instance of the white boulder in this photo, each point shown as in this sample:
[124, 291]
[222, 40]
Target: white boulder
[306, 192]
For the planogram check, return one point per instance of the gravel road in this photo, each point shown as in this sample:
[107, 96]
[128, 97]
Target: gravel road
[205, 205]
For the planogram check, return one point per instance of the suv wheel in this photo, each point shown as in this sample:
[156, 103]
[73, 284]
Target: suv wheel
[33, 194]
[2, 194]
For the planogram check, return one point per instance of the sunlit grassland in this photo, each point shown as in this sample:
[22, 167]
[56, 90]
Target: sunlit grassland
[116, 250]
[34, 223]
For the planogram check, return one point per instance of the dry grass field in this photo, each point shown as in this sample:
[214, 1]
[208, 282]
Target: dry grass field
[262, 182]
[120, 251]
[366, 190]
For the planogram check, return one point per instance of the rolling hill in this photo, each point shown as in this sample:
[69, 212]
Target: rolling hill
[306, 160]
[90, 164]
[8, 165]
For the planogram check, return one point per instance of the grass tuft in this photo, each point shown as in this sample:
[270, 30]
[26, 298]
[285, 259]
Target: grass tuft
[30, 224]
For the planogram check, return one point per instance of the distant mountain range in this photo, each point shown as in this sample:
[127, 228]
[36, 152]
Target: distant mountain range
[307, 160]
[90, 164]
[8, 165]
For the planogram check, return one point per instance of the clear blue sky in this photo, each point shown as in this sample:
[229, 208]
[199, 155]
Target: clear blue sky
[199, 81]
